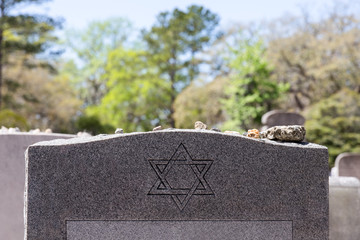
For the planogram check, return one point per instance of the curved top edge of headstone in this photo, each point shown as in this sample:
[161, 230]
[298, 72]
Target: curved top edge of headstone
[267, 114]
[38, 134]
[267, 117]
[208, 133]
[342, 156]
[344, 182]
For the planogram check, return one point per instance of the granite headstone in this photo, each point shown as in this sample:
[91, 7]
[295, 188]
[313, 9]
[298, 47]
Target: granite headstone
[281, 118]
[344, 200]
[176, 184]
[347, 164]
[12, 180]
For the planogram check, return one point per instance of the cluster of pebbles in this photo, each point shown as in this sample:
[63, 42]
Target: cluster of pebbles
[16, 129]
[37, 131]
[291, 133]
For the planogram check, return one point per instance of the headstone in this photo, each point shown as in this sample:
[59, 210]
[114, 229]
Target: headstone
[176, 184]
[344, 199]
[281, 118]
[12, 180]
[347, 164]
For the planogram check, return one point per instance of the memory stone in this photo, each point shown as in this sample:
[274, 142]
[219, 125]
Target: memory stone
[344, 200]
[176, 184]
[12, 180]
[348, 164]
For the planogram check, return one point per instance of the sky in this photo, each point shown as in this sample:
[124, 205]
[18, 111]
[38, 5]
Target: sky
[142, 13]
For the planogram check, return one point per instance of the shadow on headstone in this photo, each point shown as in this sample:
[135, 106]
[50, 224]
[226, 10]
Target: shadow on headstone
[281, 118]
[12, 180]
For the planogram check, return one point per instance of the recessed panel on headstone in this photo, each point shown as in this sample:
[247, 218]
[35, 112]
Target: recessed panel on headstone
[176, 184]
[164, 230]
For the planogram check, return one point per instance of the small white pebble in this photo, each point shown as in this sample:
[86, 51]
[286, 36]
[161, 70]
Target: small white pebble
[157, 128]
[119, 130]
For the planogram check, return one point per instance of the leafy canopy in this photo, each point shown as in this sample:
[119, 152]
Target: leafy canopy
[250, 93]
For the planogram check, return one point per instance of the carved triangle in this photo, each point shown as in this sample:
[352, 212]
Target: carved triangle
[200, 167]
[200, 186]
[161, 167]
[161, 186]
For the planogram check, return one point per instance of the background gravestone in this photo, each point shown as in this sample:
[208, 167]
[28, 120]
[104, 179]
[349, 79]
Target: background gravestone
[281, 118]
[176, 184]
[12, 180]
[347, 164]
[344, 201]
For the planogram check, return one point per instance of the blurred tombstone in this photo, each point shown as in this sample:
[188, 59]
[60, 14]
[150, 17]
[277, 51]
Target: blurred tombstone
[347, 164]
[12, 179]
[344, 204]
[281, 118]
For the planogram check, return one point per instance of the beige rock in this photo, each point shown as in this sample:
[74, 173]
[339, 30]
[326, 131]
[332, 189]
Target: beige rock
[232, 132]
[35, 131]
[253, 133]
[157, 128]
[292, 133]
[48, 130]
[83, 134]
[200, 125]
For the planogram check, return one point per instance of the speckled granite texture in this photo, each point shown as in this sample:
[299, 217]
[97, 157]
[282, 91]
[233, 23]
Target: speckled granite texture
[177, 176]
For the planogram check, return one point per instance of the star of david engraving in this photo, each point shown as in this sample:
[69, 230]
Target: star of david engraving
[181, 195]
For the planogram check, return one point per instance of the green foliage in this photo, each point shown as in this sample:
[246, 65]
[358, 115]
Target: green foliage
[137, 98]
[92, 46]
[9, 119]
[174, 42]
[250, 93]
[22, 36]
[316, 57]
[45, 100]
[335, 123]
[92, 125]
[200, 102]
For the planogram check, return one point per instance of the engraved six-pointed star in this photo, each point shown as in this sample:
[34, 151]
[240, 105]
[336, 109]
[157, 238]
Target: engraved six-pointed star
[183, 166]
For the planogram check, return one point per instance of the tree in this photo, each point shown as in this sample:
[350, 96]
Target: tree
[316, 57]
[45, 100]
[335, 122]
[200, 101]
[28, 34]
[250, 93]
[91, 47]
[137, 96]
[174, 42]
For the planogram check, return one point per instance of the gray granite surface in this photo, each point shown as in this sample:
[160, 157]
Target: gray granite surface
[348, 164]
[177, 176]
[344, 200]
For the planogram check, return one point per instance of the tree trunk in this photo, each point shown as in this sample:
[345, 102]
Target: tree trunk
[2, 10]
[172, 99]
